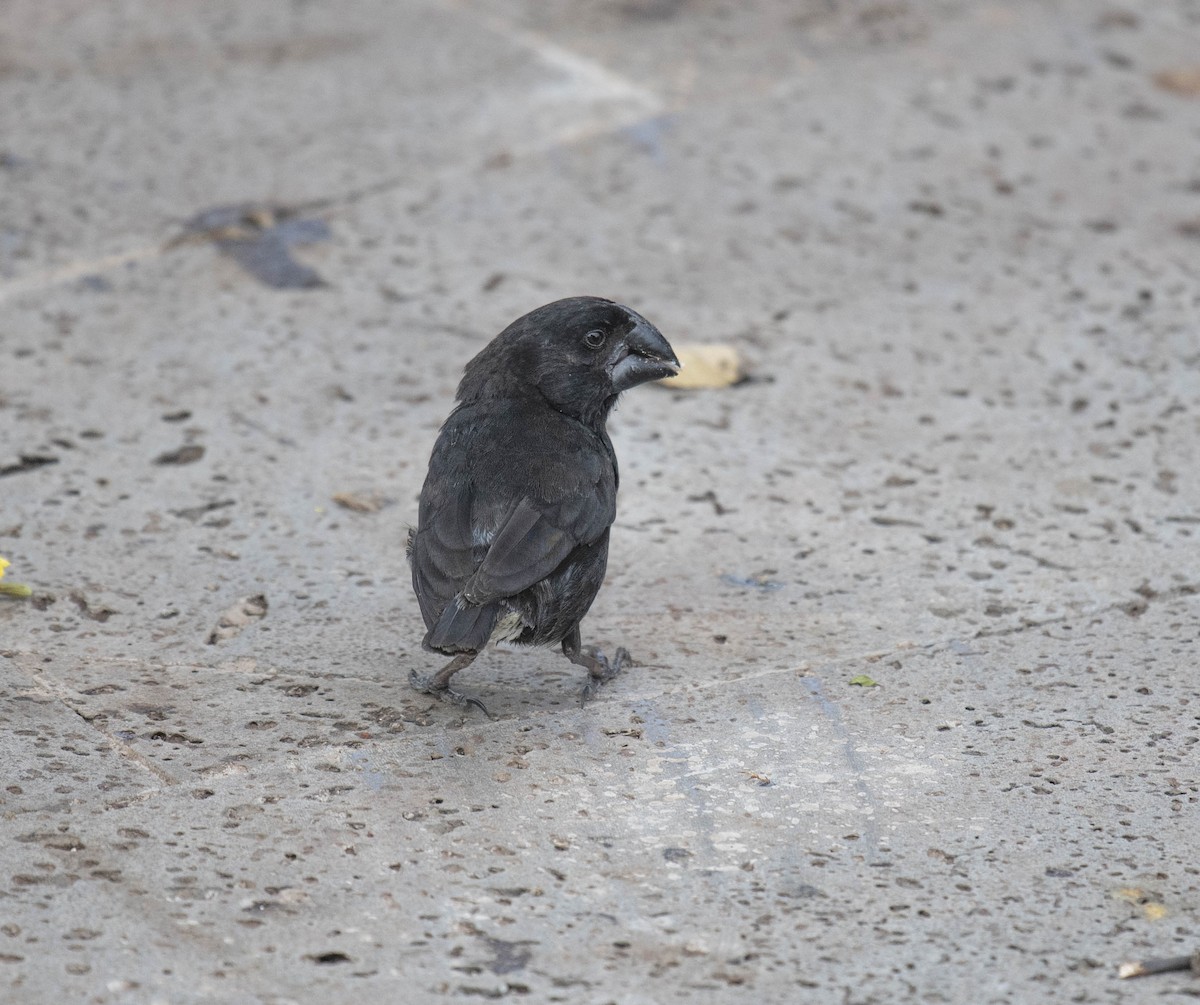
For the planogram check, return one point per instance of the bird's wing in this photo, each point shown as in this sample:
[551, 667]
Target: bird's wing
[442, 553]
[491, 528]
[536, 539]
[533, 541]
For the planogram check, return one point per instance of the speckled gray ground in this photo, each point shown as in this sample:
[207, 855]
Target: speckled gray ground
[958, 245]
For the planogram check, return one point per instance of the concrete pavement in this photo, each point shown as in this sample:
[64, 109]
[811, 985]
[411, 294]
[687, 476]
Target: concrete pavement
[956, 245]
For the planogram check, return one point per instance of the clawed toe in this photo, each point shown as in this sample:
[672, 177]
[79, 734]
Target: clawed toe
[465, 699]
[601, 671]
[605, 670]
[426, 686]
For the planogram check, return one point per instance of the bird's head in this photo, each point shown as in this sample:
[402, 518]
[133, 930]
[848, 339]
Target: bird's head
[578, 353]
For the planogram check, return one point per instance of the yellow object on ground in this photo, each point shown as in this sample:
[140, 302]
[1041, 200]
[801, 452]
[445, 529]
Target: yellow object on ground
[12, 589]
[714, 365]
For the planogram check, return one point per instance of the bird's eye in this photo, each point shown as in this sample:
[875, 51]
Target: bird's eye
[594, 339]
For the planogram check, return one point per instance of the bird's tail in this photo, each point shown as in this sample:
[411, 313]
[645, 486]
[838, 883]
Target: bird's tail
[463, 627]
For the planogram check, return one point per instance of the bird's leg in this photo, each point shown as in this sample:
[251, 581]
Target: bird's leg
[439, 684]
[600, 671]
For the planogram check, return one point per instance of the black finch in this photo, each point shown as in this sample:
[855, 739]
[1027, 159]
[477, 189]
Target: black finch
[512, 534]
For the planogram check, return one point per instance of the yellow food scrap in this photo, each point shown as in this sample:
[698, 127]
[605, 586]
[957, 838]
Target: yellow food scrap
[714, 365]
[12, 589]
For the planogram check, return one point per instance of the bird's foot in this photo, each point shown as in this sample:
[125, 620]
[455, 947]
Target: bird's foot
[600, 672]
[426, 685]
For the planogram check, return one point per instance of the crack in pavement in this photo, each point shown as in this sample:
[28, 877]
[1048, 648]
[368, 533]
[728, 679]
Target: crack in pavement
[64, 696]
[242, 668]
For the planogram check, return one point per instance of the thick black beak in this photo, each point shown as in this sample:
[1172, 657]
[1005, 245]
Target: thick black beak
[649, 356]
